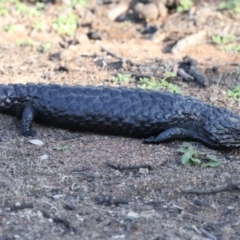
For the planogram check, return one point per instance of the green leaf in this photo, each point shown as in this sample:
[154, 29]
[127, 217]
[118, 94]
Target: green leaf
[62, 148]
[196, 160]
[211, 164]
[182, 150]
[235, 93]
[216, 39]
[186, 144]
[212, 158]
[169, 74]
[185, 147]
[186, 157]
[188, 163]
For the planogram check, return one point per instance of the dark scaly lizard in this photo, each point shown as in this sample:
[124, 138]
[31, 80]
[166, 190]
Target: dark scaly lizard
[154, 116]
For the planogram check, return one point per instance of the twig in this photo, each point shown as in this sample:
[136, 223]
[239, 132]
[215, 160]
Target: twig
[200, 77]
[62, 221]
[229, 187]
[118, 57]
[21, 206]
[184, 75]
[130, 167]
[207, 234]
[193, 39]
[109, 200]
[6, 47]
[219, 79]
[198, 217]
[188, 65]
[59, 220]
[138, 76]
[68, 206]
[52, 206]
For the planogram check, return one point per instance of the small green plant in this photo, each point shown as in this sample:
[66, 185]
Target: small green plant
[44, 47]
[231, 48]
[153, 84]
[62, 148]
[191, 157]
[226, 42]
[184, 5]
[231, 5]
[15, 2]
[121, 78]
[65, 24]
[237, 69]
[169, 86]
[40, 26]
[168, 74]
[24, 43]
[149, 83]
[81, 2]
[23, 9]
[40, 6]
[235, 93]
[3, 10]
[217, 39]
[9, 28]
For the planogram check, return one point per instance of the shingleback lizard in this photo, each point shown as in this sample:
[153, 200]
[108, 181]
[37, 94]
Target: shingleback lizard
[154, 116]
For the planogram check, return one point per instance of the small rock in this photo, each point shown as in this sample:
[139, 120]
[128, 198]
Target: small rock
[158, 36]
[149, 11]
[93, 174]
[162, 9]
[57, 196]
[115, 12]
[44, 157]
[54, 56]
[132, 214]
[36, 142]
[144, 170]
[119, 236]
[81, 38]
[66, 2]
[94, 36]
[193, 39]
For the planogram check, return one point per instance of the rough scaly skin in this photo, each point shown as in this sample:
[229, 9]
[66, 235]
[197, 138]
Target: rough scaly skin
[155, 116]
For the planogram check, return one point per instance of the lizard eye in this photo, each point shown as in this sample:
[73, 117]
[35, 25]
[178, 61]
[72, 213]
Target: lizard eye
[237, 133]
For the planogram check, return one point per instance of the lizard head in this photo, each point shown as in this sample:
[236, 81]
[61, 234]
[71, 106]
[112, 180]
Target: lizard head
[221, 128]
[8, 99]
[4, 100]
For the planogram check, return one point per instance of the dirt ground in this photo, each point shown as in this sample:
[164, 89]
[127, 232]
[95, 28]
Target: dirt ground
[65, 189]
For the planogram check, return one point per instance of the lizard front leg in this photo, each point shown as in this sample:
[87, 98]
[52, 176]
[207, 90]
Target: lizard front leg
[26, 121]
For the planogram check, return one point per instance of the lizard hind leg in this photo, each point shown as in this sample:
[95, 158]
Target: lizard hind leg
[171, 134]
[26, 121]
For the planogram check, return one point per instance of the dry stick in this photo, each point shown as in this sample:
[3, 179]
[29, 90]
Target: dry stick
[184, 75]
[62, 221]
[130, 62]
[118, 57]
[58, 220]
[110, 200]
[198, 217]
[200, 77]
[219, 79]
[21, 206]
[207, 234]
[229, 187]
[130, 167]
